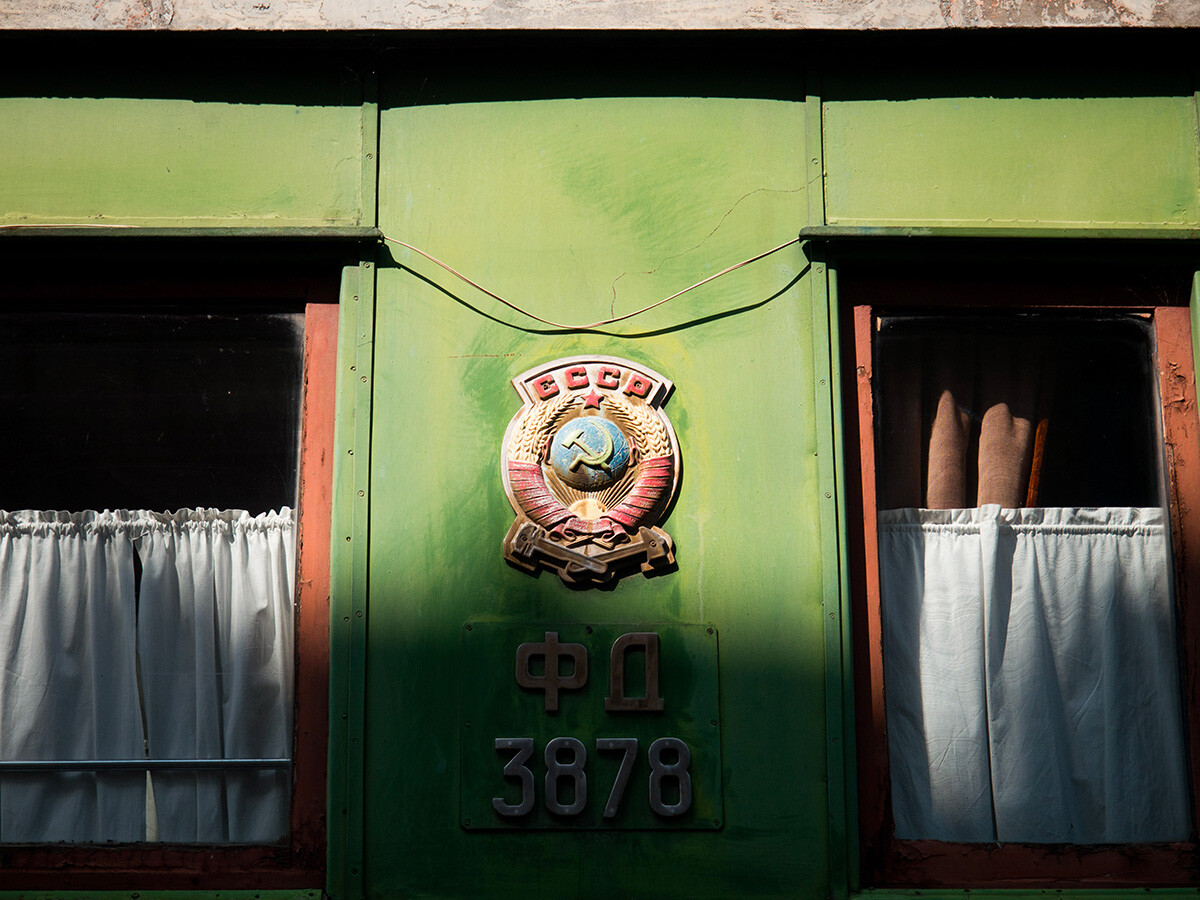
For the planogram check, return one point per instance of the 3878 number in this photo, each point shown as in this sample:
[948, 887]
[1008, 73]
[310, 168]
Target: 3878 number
[566, 783]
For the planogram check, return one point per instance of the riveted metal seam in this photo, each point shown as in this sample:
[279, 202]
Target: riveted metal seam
[341, 585]
[824, 354]
[348, 603]
[355, 826]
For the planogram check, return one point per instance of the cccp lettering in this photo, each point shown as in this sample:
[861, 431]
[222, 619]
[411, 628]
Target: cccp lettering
[577, 378]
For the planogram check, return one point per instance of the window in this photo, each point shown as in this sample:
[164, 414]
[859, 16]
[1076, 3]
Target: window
[164, 580]
[1023, 650]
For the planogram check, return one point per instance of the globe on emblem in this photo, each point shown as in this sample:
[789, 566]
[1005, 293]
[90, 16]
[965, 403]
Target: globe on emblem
[589, 453]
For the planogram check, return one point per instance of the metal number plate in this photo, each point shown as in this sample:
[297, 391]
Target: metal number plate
[590, 727]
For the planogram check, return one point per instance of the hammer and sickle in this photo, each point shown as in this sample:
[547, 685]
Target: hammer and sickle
[587, 456]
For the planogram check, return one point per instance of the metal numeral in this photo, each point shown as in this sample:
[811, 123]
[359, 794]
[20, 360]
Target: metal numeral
[630, 747]
[659, 770]
[555, 771]
[516, 768]
[566, 759]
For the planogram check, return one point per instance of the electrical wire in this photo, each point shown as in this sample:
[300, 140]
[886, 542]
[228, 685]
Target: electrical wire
[513, 306]
[602, 322]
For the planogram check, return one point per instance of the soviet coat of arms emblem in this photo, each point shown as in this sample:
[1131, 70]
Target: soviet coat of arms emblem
[590, 464]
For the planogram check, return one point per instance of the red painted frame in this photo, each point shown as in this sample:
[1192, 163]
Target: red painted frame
[300, 863]
[926, 863]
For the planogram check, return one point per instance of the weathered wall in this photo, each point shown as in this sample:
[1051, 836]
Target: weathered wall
[555, 14]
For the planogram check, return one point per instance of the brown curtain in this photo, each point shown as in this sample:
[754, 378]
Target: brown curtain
[960, 427]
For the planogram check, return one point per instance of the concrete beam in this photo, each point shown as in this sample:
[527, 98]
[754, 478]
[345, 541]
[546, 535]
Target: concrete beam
[684, 15]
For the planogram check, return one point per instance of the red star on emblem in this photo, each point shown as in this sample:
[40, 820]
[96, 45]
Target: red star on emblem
[592, 401]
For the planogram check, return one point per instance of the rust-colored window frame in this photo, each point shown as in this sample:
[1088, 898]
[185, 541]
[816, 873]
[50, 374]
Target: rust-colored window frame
[300, 861]
[888, 861]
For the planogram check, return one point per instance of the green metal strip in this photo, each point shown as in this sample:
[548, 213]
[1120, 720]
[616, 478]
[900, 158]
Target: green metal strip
[368, 198]
[1196, 118]
[356, 702]
[282, 232]
[849, 762]
[349, 594]
[363, 380]
[814, 159]
[1194, 311]
[1036, 232]
[824, 354]
[341, 584]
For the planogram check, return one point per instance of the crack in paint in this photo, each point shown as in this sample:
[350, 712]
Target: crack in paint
[703, 240]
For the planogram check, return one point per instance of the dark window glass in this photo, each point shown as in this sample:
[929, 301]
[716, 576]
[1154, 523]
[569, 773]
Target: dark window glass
[150, 409]
[1082, 386]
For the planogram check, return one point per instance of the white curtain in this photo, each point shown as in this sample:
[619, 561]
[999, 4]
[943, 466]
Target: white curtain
[212, 636]
[1030, 673]
[215, 638]
[68, 685]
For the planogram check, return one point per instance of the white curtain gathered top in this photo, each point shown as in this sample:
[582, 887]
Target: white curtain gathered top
[197, 665]
[1031, 678]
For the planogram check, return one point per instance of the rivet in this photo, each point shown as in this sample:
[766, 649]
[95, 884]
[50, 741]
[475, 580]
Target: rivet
[364, 378]
[362, 493]
[828, 496]
[358, 614]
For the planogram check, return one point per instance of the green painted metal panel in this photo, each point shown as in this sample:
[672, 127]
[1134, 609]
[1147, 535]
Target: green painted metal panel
[134, 161]
[348, 562]
[577, 210]
[1078, 161]
[836, 596]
